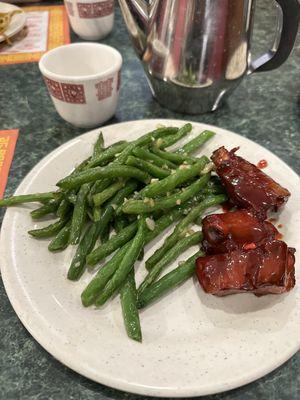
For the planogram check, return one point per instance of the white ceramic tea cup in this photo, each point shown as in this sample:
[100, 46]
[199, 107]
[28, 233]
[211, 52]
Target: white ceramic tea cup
[91, 19]
[83, 80]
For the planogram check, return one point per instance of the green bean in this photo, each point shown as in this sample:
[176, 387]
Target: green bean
[195, 143]
[144, 141]
[163, 222]
[104, 237]
[152, 169]
[64, 208]
[216, 189]
[142, 207]
[125, 266]
[99, 281]
[110, 171]
[120, 222]
[86, 245]
[171, 139]
[79, 214]
[130, 312]
[61, 240]
[107, 193]
[112, 244]
[128, 147]
[98, 146]
[109, 268]
[181, 227]
[184, 244]
[89, 239]
[108, 154]
[96, 214]
[27, 198]
[148, 155]
[98, 187]
[179, 177]
[80, 167]
[49, 230]
[175, 158]
[71, 196]
[90, 213]
[169, 281]
[45, 209]
[141, 255]
[101, 159]
[119, 197]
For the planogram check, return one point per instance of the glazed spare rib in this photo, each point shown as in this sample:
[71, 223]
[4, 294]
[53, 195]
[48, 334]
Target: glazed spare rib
[243, 253]
[268, 268]
[233, 230]
[247, 186]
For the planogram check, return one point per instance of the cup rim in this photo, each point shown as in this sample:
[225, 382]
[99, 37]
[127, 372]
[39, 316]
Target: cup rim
[116, 65]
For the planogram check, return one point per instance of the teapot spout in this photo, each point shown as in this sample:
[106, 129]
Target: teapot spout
[136, 17]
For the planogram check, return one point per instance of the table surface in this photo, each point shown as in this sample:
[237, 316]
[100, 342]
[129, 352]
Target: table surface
[265, 108]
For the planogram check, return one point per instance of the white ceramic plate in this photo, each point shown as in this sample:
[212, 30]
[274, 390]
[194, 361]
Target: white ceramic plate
[193, 343]
[17, 22]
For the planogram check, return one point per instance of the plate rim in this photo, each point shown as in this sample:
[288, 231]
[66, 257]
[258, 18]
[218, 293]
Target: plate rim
[22, 22]
[109, 380]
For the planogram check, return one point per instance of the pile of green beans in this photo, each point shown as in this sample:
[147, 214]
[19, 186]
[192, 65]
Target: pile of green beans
[116, 202]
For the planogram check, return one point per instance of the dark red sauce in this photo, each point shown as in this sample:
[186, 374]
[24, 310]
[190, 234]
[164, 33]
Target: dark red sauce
[226, 206]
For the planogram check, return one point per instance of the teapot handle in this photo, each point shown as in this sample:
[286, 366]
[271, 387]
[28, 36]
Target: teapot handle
[287, 29]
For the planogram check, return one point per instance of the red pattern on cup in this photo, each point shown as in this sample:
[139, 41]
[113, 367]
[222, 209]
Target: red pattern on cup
[95, 10]
[104, 89]
[70, 8]
[67, 92]
[119, 80]
[103, 8]
[73, 93]
[54, 88]
[85, 10]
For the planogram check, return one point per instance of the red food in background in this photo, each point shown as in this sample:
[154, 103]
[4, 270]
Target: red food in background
[233, 230]
[247, 186]
[266, 269]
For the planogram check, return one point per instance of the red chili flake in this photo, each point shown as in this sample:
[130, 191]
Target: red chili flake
[279, 236]
[280, 226]
[262, 164]
[249, 246]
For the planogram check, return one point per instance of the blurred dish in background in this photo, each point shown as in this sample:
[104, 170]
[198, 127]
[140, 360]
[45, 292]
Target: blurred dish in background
[21, 1]
[91, 19]
[46, 27]
[12, 21]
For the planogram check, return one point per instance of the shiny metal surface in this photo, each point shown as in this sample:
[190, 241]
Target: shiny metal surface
[194, 52]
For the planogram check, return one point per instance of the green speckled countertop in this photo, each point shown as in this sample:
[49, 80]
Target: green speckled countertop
[265, 108]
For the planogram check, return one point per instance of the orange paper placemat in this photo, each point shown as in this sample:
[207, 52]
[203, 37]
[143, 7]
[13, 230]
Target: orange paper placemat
[8, 140]
[47, 27]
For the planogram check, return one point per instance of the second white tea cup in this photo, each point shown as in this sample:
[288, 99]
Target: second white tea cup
[91, 19]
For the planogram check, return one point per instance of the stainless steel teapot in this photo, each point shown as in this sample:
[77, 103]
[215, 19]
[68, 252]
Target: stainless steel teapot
[196, 52]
